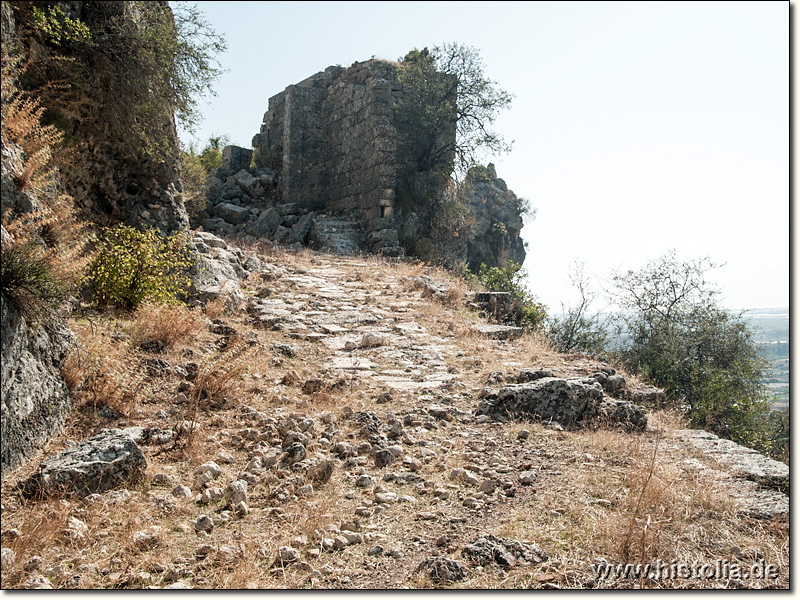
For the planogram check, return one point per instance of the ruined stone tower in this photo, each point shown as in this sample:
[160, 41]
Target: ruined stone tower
[338, 143]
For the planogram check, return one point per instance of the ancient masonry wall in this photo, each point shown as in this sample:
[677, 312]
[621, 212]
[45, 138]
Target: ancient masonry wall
[334, 140]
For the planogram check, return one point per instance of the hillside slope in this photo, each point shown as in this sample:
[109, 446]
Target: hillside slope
[344, 398]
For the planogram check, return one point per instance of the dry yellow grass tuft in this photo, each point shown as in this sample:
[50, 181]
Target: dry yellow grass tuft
[166, 324]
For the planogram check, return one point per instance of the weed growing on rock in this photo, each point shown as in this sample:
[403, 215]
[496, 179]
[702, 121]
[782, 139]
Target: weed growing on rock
[524, 310]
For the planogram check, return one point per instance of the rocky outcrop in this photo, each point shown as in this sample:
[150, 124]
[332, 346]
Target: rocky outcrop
[219, 269]
[108, 460]
[574, 402]
[498, 220]
[35, 399]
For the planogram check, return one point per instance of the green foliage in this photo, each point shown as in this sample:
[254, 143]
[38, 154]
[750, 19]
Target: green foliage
[701, 354]
[160, 59]
[451, 106]
[211, 155]
[59, 28]
[498, 229]
[448, 226]
[195, 169]
[133, 266]
[525, 310]
[193, 180]
[29, 281]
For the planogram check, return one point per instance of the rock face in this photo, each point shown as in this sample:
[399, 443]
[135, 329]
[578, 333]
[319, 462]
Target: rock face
[103, 462]
[497, 213]
[35, 400]
[113, 178]
[577, 402]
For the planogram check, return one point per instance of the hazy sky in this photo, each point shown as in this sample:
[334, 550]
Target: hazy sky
[638, 126]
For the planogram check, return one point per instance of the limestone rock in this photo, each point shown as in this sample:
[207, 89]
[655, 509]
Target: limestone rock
[236, 492]
[231, 213]
[251, 185]
[266, 224]
[573, 402]
[441, 569]
[146, 539]
[745, 462]
[287, 554]
[204, 523]
[487, 549]
[321, 471]
[499, 332]
[35, 400]
[498, 219]
[103, 462]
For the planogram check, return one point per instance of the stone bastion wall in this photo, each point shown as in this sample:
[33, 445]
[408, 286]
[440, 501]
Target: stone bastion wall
[337, 142]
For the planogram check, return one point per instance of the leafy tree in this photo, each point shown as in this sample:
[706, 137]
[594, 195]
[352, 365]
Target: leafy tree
[211, 155]
[160, 58]
[701, 354]
[452, 106]
[193, 180]
[125, 68]
[578, 330]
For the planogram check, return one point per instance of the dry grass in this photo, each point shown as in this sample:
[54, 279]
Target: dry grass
[219, 383]
[166, 324]
[624, 500]
[215, 308]
[100, 371]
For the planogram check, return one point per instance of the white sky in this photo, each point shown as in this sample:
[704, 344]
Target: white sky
[637, 127]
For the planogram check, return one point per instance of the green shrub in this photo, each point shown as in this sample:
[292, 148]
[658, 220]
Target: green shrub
[195, 169]
[193, 179]
[702, 355]
[28, 280]
[133, 266]
[525, 311]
